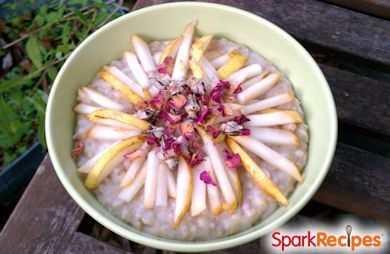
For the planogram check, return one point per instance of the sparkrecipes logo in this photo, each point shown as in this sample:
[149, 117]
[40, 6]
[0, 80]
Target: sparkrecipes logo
[347, 238]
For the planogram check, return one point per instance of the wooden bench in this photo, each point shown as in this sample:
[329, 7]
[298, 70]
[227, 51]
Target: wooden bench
[352, 45]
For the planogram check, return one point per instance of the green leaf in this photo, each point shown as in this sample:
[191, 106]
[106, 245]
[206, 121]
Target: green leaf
[52, 73]
[33, 52]
[41, 132]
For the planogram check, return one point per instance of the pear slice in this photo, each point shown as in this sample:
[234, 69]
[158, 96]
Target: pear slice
[111, 122]
[236, 62]
[101, 132]
[222, 60]
[209, 70]
[143, 53]
[198, 200]
[87, 166]
[196, 69]
[151, 180]
[219, 170]
[247, 72]
[269, 155]
[258, 89]
[135, 165]
[162, 185]
[213, 54]
[235, 181]
[184, 191]
[121, 117]
[143, 93]
[182, 58]
[100, 169]
[171, 49]
[200, 46]
[100, 99]
[85, 109]
[213, 193]
[171, 185]
[274, 118]
[267, 103]
[274, 136]
[254, 80]
[129, 192]
[122, 88]
[136, 69]
[264, 182]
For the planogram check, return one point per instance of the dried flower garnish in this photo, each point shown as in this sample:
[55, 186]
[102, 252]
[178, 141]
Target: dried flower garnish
[166, 67]
[177, 102]
[157, 101]
[196, 159]
[213, 132]
[245, 132]
[237, 90]
[206, 178]
[203, 114]
[240, 119]
[152, 140]
[232, 160]
[78, 148]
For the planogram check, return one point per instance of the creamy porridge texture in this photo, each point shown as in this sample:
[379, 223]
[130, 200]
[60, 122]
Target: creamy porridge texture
[193, 138]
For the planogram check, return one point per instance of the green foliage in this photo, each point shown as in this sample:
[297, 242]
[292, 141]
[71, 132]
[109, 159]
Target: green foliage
[38, 43]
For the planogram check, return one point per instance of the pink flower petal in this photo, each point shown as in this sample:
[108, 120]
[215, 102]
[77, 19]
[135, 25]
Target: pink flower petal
[245, 132]
[206, 178]
[241, 119]
[232, 160]
[177, 102]
[203, 114]
[157, 101]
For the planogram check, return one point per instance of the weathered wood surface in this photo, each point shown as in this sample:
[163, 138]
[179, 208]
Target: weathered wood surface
[44, 218]
[380, 8]
[317, 22]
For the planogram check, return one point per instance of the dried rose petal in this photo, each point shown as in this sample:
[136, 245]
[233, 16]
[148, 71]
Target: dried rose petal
[216, 93]
[245, 132]
[203, 114]
[166, 67]
[171, 118]
[157, 101]
[214, 132]
[187, 130]
[232, 160]
[206, 178]
[152, 140]
[78, 148]
[237, 90]
[177, 102]
[225, 84]
[196, 159]
[241, 119]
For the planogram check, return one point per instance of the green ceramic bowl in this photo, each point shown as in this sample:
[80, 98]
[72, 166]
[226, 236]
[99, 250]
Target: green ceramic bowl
[164, 22]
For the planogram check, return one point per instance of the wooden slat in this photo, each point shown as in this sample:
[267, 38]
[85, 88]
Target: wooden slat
[358, 182]
[44, 219]
[380, 8]
[82, 243]
[324, 24]
[359, 100]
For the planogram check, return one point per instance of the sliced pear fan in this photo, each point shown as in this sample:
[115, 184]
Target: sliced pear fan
[85, 109]
[171, 185]
[119, 116]
[111, 122]
[162, 185]
[222, 59]
[151, 180]
[185, 185]
[274, 118]
[143, 53]
[264, 182]
[129, 192]
[267, 103]
[101, 132]
[135, 166]
[105, 163]
[247, 72]
[236, 183]
[182, 58]
[136, 69]
[236, 62]
[219, 170]
[198, 200]
[200, 46]
[253, 80]
[87, 166]
[274, 136]
[143, 93]
[100, 99]
[269, 155]
[209, 70]
[126, 92]
[213, 193]
[258, 88]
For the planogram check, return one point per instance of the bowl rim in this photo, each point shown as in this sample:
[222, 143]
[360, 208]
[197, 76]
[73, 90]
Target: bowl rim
[174, 245]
